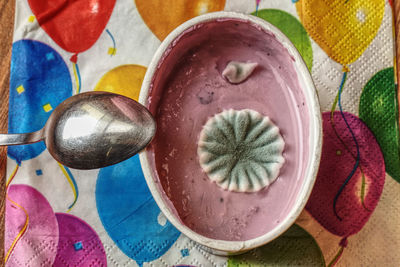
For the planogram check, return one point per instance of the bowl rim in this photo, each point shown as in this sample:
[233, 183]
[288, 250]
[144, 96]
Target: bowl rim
[311, 98]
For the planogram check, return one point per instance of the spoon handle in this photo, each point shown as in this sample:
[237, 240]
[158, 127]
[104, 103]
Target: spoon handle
[19, 139]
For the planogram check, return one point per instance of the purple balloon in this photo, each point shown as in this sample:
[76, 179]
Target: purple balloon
[79, 244]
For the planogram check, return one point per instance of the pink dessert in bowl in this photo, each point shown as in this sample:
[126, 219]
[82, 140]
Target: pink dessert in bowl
[184, 89]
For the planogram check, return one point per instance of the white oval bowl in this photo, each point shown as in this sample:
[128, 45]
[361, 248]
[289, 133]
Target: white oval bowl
[223, 247]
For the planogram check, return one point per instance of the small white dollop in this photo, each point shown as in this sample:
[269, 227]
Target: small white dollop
[161, 219]
[237, 72]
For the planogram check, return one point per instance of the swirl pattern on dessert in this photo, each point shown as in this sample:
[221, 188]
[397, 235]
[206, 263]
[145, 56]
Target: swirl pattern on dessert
[241, 150]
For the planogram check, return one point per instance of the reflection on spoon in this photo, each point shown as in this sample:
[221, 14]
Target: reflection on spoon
[92, 130]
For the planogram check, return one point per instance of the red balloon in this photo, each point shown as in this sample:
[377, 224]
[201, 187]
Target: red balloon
[337, 162]
[73, 25]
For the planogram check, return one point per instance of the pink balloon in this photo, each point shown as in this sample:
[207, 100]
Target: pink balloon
[38, 246]
[336, 165]
[79, 244]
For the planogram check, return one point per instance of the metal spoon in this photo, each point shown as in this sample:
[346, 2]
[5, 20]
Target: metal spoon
[92, 130]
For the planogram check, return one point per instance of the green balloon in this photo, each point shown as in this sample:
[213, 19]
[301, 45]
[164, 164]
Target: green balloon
[295, 247]
[292, 28]
[379, 110]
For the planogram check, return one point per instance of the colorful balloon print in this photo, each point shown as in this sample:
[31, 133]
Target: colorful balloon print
[38, 246]
[295, 247]
[79, 244]
[292, 28]
[379, 110]
[129, 213]
[39, 82]
[343, 29]
[162, 16]
[74, 26]
[337, 161]
[124, 80]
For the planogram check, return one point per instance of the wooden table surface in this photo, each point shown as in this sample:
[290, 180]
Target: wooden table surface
[6, 31]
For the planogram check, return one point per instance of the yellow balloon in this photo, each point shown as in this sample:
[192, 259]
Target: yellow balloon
[342, 28]
[124, 80]
[162, 16]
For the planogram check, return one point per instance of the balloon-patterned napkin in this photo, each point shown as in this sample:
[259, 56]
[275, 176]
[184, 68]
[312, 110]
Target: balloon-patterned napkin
[64, 217]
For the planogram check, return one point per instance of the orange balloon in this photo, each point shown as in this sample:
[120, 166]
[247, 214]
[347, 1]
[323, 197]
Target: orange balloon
[343, 29]
[162, 16]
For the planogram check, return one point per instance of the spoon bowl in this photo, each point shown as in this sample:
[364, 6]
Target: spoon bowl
[92, 130]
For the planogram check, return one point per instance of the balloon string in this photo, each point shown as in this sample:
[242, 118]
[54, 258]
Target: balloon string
[21, 233]
[71, 180]
[362, 194]
[257, 4]
[356, 143]
[12, 176]
[333, 111]
[336, 258]
[25, 227]
[77, 78]
[113, 40]
[343, 243]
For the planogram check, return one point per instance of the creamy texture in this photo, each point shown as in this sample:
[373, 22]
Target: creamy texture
[188, 89]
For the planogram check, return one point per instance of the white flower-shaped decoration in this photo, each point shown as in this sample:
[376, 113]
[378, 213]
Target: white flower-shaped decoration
[241, 150]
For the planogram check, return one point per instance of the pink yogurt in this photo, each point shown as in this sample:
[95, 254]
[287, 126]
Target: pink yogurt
[187, 89]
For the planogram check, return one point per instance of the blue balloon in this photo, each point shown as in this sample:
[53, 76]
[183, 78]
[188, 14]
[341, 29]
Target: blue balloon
[129, 213]
[39, 82]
